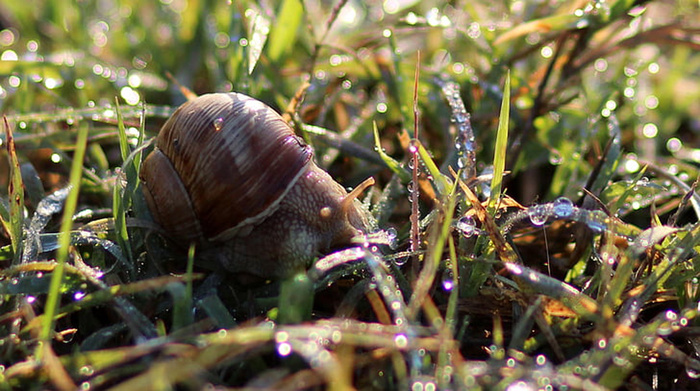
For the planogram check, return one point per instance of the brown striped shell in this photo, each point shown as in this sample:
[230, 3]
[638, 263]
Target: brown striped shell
[221, 164]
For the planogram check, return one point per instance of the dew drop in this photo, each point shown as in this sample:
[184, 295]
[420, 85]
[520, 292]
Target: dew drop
[391, 236]
[401, 341]
[671, 315]
[448, 280]
[563, 207]
[284, 349]
[400, 261]
[555, 158]
[596, 221]
[541, 359]
[537, 214]
[467, 226]
[462, 162]
[218, 123]
[410, 187]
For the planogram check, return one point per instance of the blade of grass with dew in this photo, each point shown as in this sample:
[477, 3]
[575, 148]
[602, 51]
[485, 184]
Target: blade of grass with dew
[437, 241]
[498, 350]
[104, 296]
[138, 202]
[481, 271]
[16, 194]
[663, 269]
[441, 183]
[121, 197]
[534, 282]
[284, 32]
[500, 149]
[627, 191]
[413, 186]
[451, 311]
[75, 115]
[550, 23]
[54, 296]
[450, 326]
[503, 248]
[393, 165]
[626, 264]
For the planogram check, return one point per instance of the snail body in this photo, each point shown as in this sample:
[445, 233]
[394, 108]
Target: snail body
[228, 174]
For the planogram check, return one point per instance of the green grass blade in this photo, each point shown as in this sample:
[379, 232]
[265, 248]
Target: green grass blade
[16, 195]
[394, 165]
[534, 282]
[284, 32]
[438, 240]
[54, 296]
[441, 183]
[123, 141]
[499, 155]
[258, 38]
[121, 197]
[296, 299]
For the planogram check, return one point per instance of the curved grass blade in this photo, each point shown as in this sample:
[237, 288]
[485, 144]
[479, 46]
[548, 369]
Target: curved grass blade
[392, 163]
[499, 153]
[16, 194]
[441, 184]
[258, 37]
[64, 240]
[535, 282]
[121, 195]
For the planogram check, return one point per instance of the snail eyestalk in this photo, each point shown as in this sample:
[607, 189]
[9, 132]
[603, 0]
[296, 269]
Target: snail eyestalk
[355, 193]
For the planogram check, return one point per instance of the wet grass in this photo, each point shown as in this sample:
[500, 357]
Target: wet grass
[535, 169]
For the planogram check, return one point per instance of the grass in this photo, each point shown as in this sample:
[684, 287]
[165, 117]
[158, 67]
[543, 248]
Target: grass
[536, 167]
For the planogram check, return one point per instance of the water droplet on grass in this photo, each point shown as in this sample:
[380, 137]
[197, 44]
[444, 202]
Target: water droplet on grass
[448, 280]
[391, 236]
[401, 341]
[563, 207]
[284, 349]
[467, 226]
[537, 214]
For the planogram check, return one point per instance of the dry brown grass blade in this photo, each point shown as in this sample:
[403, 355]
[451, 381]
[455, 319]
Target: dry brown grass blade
[503, 249]
[189, 94]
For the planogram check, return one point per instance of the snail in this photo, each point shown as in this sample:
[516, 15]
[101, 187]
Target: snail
[228, 174]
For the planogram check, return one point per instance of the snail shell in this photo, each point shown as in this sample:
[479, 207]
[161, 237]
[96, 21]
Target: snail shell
[229, 174]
